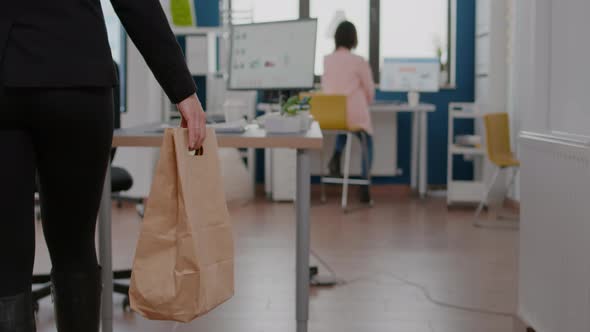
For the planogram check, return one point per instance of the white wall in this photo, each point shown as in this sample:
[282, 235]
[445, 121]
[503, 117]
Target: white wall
[529, 74]
[549, 85]
[570, 55]
[144, 105]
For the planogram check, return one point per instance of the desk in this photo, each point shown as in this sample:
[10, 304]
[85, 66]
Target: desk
[254, 137]
[419, 155]
[419, 162]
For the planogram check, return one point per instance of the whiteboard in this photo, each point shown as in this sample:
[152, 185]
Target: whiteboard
[410, 74]
[570, 72]
[277, 55]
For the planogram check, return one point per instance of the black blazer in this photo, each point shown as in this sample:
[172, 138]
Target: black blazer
[63, 43]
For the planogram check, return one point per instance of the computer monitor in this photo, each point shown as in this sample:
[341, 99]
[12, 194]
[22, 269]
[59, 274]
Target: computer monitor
[273, 56]
[410, 75]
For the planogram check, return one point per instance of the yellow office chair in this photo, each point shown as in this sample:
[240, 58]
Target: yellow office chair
[500, 155]
[330, 111]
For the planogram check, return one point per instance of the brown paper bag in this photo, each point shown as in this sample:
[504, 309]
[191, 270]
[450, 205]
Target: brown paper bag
[183, 264]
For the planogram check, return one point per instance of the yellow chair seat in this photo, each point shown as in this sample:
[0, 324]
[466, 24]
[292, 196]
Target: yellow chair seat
[506, 161]
[329, 111]
[500, 154]
[498, 140]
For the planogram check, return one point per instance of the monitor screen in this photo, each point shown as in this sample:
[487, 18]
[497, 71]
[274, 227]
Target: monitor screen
[273, 56]
[407, 74]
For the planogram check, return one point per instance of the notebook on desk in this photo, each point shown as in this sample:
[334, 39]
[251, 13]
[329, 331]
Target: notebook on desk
[233, 127]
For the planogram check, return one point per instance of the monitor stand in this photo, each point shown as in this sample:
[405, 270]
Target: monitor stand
[413, 98]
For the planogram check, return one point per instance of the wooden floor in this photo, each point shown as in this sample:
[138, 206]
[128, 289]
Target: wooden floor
[408, 266]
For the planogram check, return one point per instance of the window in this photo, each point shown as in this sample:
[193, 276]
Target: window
[386, 28]
[256, 11]
[417, 28]
[329, 14]
[114, 30]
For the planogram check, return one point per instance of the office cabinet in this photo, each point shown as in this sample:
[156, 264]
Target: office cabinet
[464, 191]
[283, 174]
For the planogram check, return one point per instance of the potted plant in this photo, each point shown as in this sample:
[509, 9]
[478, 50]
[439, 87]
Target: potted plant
[294, 117]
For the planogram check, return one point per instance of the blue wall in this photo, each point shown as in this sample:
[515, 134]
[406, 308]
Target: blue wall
[208, 15]
[438, 121]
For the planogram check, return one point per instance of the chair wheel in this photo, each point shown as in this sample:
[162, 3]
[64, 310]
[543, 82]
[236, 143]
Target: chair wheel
[35, 307]
[313, 271]
[140, 208]
[126, 304]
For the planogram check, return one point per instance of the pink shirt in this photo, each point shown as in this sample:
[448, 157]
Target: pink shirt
[350, 75]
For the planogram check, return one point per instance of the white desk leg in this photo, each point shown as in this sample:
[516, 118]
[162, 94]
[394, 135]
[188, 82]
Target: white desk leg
[302, 205]
[106, 255]
[423, 178]
[414, 154]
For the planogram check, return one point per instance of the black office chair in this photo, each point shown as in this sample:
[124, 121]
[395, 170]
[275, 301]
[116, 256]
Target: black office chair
[121, 181]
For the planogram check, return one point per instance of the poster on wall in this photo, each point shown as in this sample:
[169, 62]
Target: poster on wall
[180, 13]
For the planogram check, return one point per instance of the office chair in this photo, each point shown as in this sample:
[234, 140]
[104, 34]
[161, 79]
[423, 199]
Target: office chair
[121, 181]
[330, 111]
[500, 155]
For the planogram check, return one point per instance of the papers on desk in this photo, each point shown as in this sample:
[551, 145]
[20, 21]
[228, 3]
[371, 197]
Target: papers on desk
[233, 127]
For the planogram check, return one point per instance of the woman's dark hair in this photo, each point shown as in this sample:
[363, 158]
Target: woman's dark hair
[346, 35]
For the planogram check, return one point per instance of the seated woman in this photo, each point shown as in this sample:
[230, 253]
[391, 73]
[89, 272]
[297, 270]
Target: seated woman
[350, 75]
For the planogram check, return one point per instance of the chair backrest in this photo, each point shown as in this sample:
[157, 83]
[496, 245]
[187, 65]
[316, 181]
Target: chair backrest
[329, 111]
[498, 137]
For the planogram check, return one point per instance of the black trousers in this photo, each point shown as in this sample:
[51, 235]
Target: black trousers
[64, 135]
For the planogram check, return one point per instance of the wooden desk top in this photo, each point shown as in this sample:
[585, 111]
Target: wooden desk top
[253, 137]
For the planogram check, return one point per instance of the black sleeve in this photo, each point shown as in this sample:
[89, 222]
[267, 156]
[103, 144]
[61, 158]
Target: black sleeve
[148, 27]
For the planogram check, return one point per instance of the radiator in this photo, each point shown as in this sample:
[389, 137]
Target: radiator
[554, 278]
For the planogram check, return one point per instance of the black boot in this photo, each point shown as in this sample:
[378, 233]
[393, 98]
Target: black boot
[16, 313]
[365, 194]
[334, 165]
[76, 300]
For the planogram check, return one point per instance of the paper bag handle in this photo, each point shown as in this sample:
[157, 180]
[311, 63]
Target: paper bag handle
[198, 152]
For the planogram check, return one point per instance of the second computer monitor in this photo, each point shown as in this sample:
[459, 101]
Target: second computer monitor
[410, 75]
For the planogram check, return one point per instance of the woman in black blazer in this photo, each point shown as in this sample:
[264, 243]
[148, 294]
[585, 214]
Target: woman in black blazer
[56, 119]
